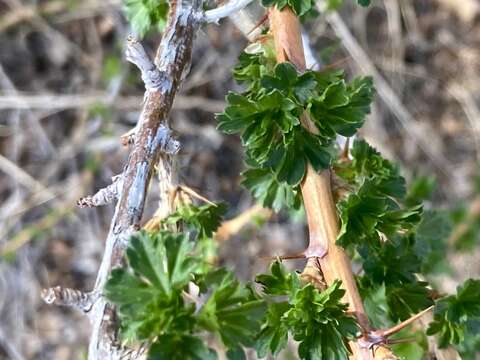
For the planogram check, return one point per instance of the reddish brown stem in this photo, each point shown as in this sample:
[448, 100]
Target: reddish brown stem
[317, 194]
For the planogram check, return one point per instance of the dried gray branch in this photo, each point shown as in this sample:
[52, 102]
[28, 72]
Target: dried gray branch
[173, 57]
[168, 144]
[136, 54]
[77, 299]
[230, 8]
[103, 196]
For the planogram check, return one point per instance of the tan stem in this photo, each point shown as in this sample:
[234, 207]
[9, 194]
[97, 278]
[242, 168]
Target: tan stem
[317, 195]
[399, 327]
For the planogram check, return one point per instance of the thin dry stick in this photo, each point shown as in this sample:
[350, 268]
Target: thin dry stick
[52, 102]
[318, 200]
[233, 226]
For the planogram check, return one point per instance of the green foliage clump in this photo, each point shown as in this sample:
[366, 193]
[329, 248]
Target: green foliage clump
[143, 15]
[268, 115]
[152, 305]
[204, 219]
[457, 315]
[304, 8]
[377, 225]
[299, 7]
[317, 320]
[373, 209]
[200, 221]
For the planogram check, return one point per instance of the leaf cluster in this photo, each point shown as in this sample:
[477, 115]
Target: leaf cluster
[200, 222]
[304, 8]
[317, 320]
[377, 225]
[143, 15]
[154, 303]
[457, 315]
[204, 219]
[373, 210]
[299, 7]
[269, 116]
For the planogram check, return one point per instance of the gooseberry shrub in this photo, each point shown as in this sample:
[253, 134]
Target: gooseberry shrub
[174, 298]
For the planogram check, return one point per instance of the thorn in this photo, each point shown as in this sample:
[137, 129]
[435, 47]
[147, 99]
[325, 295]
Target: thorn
[345, 151]
[284, 257]
[315, 251]
[128, 138]
[394, 329]
[262, 20]
[380, 337]
[80, 300]
[196, 195]
[401, 341]
[334, 65]
[103, 196]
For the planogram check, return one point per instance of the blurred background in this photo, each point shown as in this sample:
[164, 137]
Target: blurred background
[67, 95]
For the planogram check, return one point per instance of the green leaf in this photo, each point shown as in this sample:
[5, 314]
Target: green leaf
[300, 7]
[278, 282]
[148, 292]
[420, 189]
[267, 116]
[407, 300]
[163, 259]
[416, 349]
[236, 354]
[143, 15]
[375, 301]
[273, 337]
[180, 347]
[269, 191]
[204, 219]
[317, 320]
[232, 310]
[394, 263]
[373, 210]
[431, 238]
[453, 314]
[341, 108]
[364, 3]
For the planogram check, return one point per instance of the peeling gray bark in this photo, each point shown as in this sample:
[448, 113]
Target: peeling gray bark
[70, 297]
[103, 196]
[162, 81]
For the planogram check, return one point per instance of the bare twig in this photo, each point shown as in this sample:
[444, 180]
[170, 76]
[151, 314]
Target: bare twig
[70, 297]
[136, 54]
[231, 7]
[233, 226]
[103, 196]
[52, 102]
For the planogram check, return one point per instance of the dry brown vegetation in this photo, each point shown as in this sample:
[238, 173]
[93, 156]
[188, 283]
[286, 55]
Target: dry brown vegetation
[67, 95]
